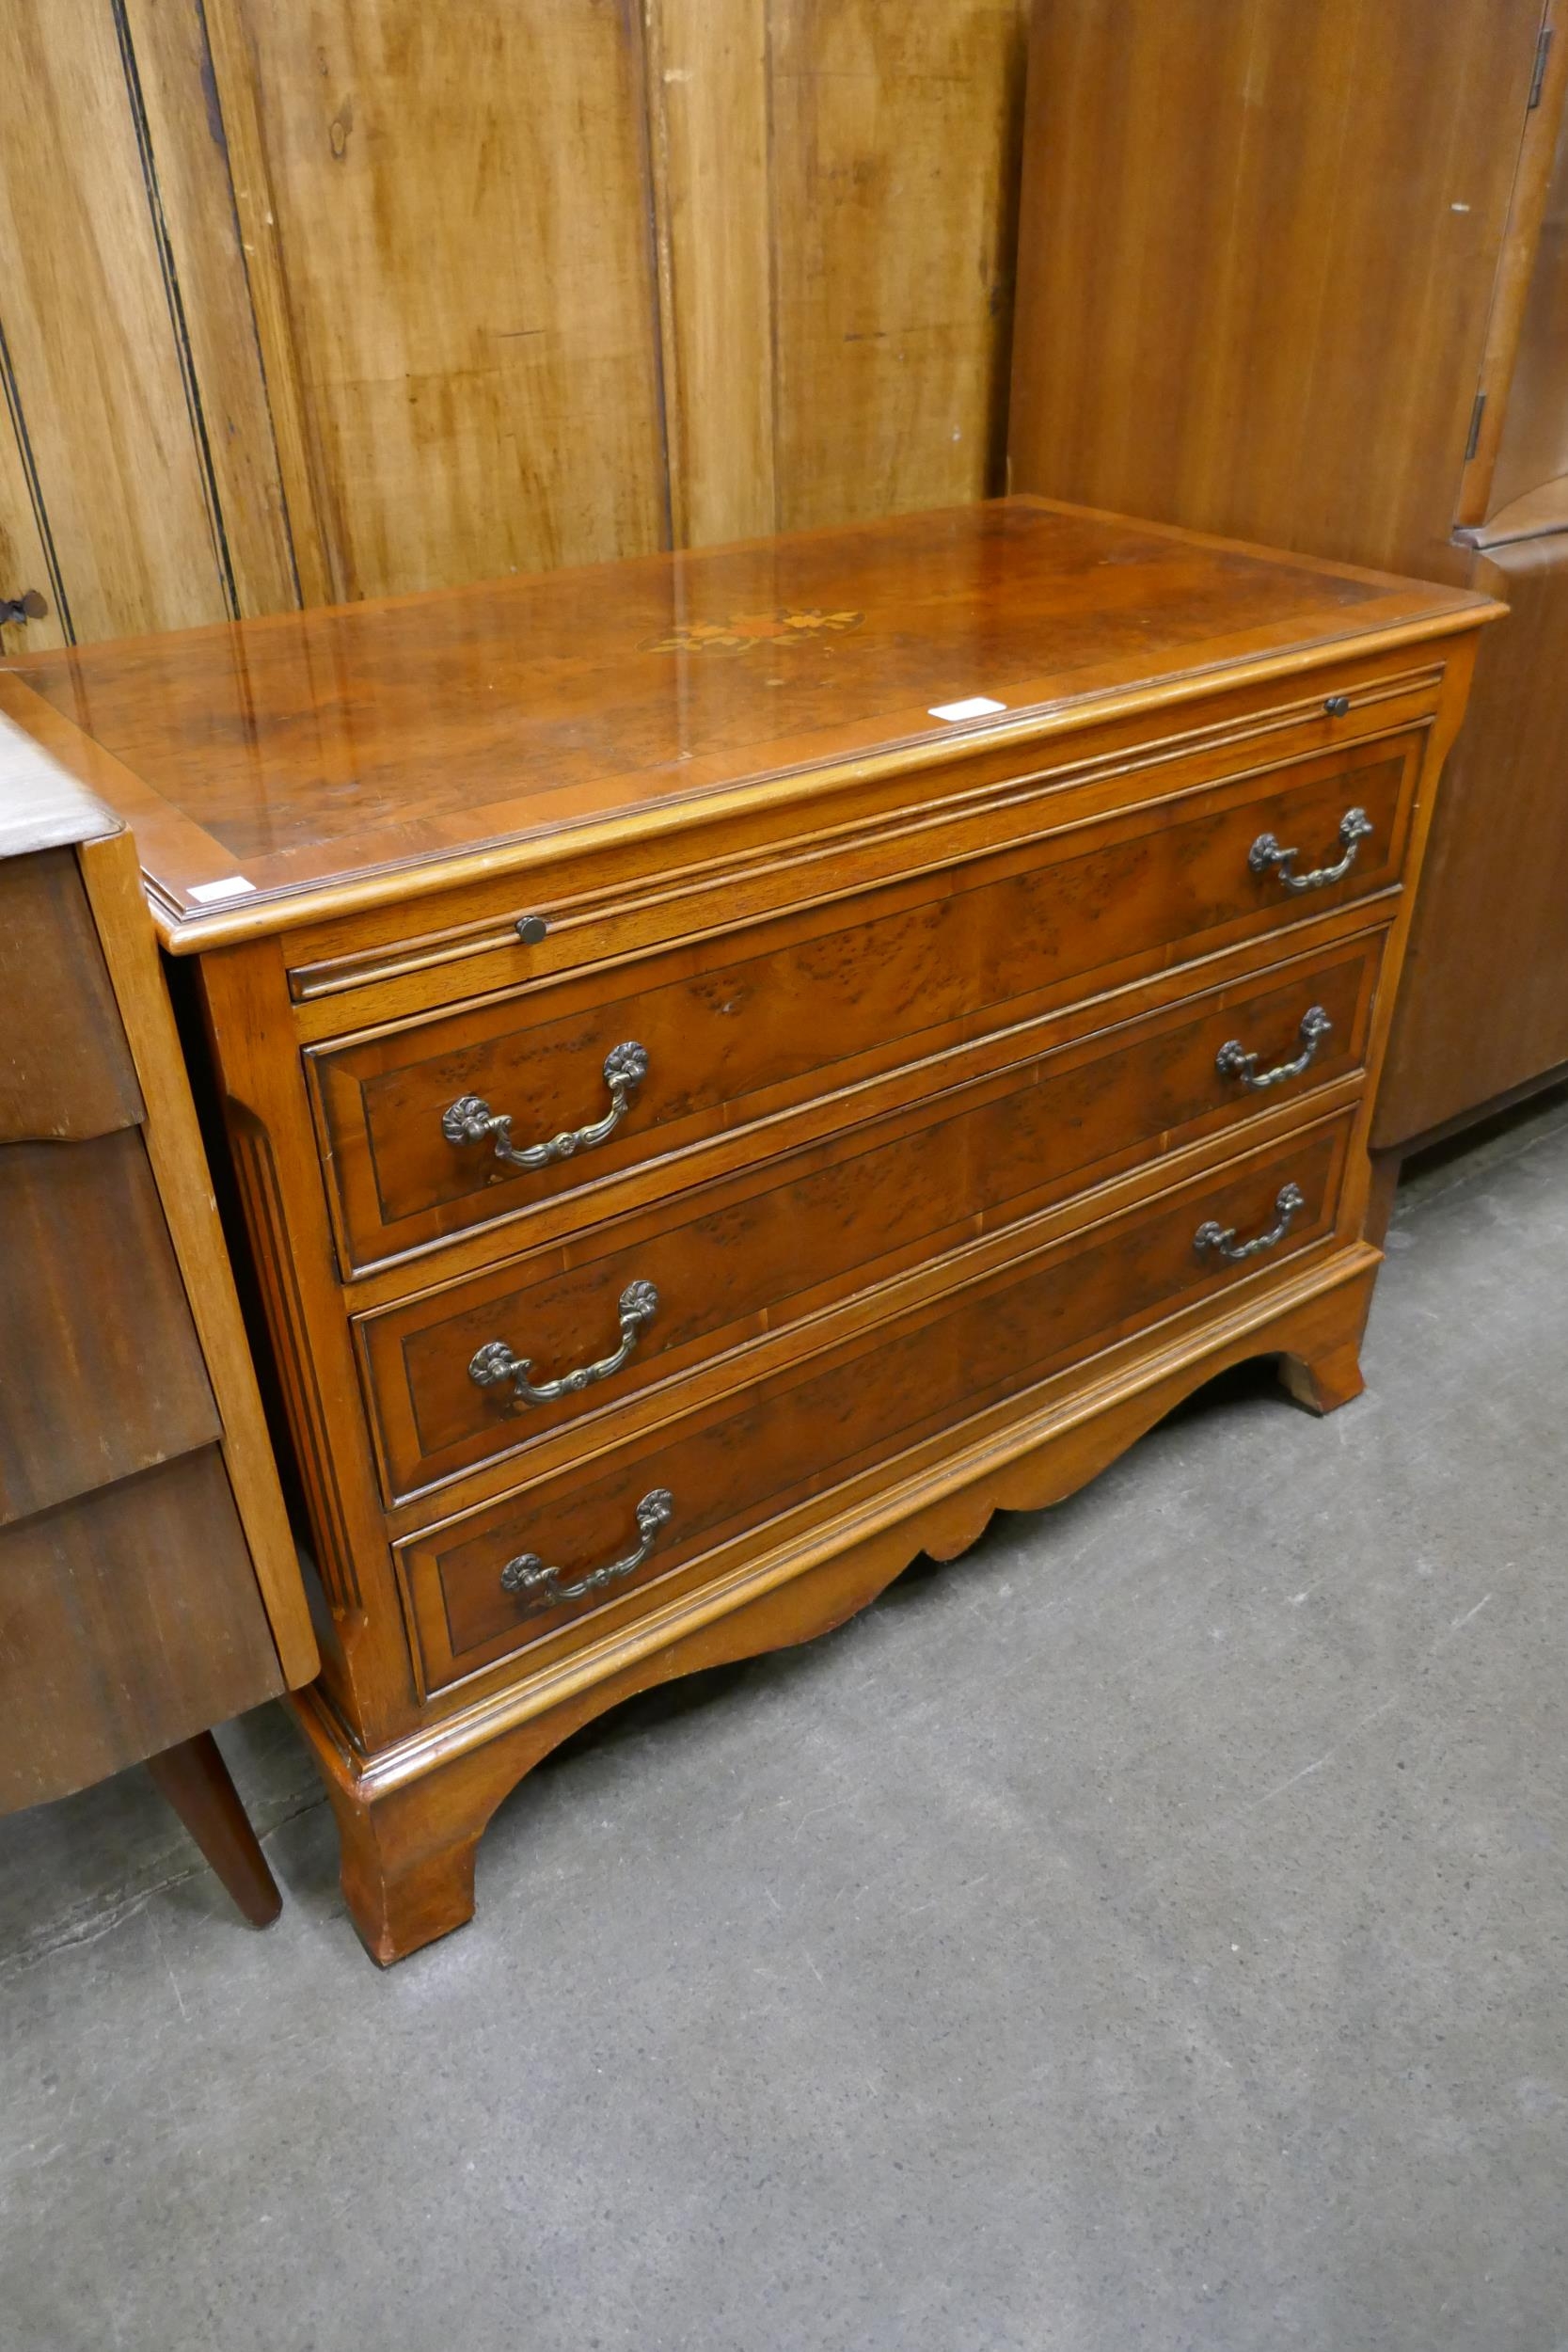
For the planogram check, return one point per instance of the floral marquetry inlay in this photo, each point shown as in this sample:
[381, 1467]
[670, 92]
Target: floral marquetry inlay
[743, 630]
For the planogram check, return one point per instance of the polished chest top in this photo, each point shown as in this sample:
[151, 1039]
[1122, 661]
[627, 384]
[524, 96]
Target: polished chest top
[271, 767]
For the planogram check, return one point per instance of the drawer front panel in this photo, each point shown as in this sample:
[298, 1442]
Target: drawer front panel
[617, 901]
[130, 1618]
[756, 1253]
[815, 1004]
[65, 1068]
[732, 1467]
[101, 1373]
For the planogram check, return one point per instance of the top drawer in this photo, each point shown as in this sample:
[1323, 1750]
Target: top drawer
[430, 1128]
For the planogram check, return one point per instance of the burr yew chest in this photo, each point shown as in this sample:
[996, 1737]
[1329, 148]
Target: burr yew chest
[737, 1065]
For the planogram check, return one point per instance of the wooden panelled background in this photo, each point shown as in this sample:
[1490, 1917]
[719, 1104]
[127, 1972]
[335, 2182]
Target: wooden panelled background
[310, 300]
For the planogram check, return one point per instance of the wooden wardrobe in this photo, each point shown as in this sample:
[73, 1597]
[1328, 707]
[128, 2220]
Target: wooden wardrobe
[304, 301]
[1297, 271]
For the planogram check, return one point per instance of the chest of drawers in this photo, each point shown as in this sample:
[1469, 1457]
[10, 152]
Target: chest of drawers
[149, 1586]
[736, 1066]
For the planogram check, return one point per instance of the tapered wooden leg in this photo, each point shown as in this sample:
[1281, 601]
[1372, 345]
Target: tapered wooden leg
[1325, 1382]
[194, 1779]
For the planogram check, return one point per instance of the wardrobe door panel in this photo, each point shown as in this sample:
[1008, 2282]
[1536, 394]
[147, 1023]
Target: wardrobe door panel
[95, 372]
[1251, 235]
[456, 208]
[1534, 445]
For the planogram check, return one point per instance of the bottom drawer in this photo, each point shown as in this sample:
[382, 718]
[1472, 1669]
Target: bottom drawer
[572, 1545]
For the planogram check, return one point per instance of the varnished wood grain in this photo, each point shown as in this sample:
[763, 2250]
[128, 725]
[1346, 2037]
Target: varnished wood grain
[799, 1232]
[797, 1436]
[179, 1162]
[403, 296]
[727, 861]
[235, 112]
[99, 379]
[1519, 250]
[102, 1374]
[833, 192]
[411, 1812]
[710, 112]
[64, 1069]
[895, 136]
[1486, 1009]
[459, 198]
[1533, 447]
[326, 746]
[825, 1001]
[99, 1598]
[364, 1650]
[24, 568]
[913, 1280]
[1247, 231]
[1300, 272]
[188, 154]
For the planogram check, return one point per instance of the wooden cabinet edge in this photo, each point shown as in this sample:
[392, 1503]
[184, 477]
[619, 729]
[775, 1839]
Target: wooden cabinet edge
[1368, 1187]
[113, 882]
[1538, 135]
[245, 1003]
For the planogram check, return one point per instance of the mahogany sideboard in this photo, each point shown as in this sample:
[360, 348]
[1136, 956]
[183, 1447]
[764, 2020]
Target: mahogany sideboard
[149, 1581]
[741, 1064]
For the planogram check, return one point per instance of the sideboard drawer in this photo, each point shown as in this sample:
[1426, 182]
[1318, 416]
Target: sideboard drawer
[485, 1586]
[627, 1065]
[101, 1369]
[66, 1072]
[654, 1295]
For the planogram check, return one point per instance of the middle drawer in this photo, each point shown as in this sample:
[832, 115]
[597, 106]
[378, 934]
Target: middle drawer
[485, 1367]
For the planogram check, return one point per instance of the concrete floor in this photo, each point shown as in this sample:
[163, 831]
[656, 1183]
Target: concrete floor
[1150, 1931]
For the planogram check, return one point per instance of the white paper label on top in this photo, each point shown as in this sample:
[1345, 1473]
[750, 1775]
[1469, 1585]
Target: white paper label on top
[976, 708]
[231, 886]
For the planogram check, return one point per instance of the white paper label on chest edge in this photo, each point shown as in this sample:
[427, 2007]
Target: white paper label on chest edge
[975, 707]
[231, 886]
